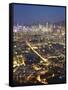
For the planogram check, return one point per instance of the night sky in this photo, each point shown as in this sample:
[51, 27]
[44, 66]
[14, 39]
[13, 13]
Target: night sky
[28, 14]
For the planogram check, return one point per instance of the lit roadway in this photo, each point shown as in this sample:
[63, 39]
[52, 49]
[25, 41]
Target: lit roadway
[43, 59]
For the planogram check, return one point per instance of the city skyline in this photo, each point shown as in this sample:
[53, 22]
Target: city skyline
[38, 44]
[29, 14]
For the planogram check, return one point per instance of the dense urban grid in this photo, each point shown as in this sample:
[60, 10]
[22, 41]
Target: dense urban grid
[39, 53]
